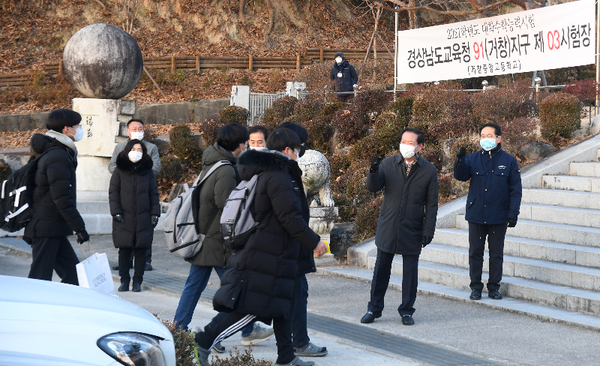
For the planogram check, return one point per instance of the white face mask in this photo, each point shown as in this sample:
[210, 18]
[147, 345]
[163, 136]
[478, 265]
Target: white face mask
[135, 156]
[78, 134]
[407, 151]
[137, 135]
[259, 148]
[338, 60]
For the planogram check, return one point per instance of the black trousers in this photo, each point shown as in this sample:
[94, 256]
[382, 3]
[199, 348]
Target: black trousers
[224, 325]
[381, 279]
[53, 254]
[495, 235]
[139, 264]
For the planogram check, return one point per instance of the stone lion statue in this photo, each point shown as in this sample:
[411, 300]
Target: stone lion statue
[315, 177]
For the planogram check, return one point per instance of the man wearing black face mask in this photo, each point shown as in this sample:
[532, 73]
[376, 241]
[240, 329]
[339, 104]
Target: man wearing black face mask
[306, 264]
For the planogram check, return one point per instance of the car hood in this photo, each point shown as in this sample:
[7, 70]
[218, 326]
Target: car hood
[46, 318]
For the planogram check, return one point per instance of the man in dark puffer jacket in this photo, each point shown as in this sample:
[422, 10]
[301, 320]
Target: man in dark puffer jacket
[55, 214]
[259, 281]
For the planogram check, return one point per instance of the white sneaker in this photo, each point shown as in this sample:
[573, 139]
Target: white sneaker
[259, 334]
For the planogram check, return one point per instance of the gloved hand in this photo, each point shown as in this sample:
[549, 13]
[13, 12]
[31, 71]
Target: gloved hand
[375, 161]
[154, 220]
[461, 152]
[426, 240]
[82, 236]
[511, 222]
[118, 218]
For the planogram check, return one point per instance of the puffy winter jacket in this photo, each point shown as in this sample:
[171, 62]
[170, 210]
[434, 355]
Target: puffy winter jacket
[260, 278]
[54, 196]
[133, 193]
[344, 75]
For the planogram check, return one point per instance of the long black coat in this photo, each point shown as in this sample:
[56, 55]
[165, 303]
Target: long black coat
[54, 196]
[410, 204]
[133, 192]
[260, 278]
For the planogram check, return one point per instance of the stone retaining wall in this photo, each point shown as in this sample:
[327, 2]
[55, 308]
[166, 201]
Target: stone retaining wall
[168, 113]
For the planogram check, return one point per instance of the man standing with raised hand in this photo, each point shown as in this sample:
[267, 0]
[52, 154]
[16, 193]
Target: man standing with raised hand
[492, 205]
[406, 221]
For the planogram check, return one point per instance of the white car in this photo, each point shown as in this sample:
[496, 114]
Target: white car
[49, 323]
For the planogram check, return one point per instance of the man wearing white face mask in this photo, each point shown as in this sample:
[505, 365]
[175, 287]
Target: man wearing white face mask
[135, 131]
[492, 205]
[344, 77]
[55, 214]
[406, 220]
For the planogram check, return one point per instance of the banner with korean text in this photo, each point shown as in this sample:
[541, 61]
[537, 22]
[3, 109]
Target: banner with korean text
[542, 39]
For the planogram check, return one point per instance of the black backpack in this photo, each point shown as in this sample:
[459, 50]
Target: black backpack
[16, 196]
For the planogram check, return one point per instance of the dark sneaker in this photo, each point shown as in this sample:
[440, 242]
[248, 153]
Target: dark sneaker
[295, 362]
[310, 350]
[475, 295]
[494, 294]
[218, 347]
[407, 319]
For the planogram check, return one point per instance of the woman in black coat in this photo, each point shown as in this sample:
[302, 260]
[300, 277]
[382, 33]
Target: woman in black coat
[134, 205]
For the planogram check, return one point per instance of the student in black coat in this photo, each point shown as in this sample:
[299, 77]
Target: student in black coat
[134, 205]
[260, 278]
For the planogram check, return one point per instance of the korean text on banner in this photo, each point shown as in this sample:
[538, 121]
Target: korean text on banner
[541, 39]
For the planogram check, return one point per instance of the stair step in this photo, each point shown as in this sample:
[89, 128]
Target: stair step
[565, 198]
[529, 248]
[572, 183]
[561, 233]
[533, 269]
[537, 311]
[560, 214]
[585, 169]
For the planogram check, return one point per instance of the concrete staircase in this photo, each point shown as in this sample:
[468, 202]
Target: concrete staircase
[551, 258]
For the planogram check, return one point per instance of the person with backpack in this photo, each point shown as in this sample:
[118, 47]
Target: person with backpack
[231, 142]
[306, 264]
[259, 283]
[135, 208]
[55, 214]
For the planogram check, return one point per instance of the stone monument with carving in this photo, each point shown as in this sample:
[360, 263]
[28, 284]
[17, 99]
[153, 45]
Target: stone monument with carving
[317, 185]
[104, 63]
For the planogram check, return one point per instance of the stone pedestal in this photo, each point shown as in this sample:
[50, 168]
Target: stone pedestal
[322, 220]
[102, 123]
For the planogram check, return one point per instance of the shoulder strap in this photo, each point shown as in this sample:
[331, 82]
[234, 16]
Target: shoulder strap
[217, 165]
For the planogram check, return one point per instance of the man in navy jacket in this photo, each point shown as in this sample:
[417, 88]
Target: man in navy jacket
[344, 77]
[492, 205]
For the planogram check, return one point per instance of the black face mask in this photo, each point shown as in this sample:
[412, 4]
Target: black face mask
[301, 151]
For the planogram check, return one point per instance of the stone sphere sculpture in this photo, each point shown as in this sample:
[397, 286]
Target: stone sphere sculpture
[103, 61]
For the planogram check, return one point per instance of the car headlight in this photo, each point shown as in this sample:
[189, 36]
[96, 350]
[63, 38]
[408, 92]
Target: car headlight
[133, 349]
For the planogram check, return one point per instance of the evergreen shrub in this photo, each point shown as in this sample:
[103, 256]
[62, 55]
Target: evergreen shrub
[381, 143]
[560, 115]
[281, 109]
[502, 104]
[320, 133]
[209, 128]
[234, 114]
[350, 124]
[185, 146]
[308, 109]
[367, 217]
[171, 172]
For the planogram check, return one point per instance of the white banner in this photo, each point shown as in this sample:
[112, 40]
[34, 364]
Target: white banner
[542, 39]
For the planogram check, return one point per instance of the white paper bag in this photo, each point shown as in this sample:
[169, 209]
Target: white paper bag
[94, 273]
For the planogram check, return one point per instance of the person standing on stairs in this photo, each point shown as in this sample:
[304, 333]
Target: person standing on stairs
[406, 221]
[493, 205]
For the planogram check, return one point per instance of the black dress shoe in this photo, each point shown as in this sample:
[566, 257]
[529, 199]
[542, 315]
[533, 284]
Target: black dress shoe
[124, 287]
[137, 287]
[475, 295]
[369, 317]
[407, 319]
[494, 294]
[148, 267]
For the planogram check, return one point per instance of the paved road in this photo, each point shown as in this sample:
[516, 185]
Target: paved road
[446, 332]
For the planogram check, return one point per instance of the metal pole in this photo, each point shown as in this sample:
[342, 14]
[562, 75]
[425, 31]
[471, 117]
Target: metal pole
[597, 52]
[396, 55]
